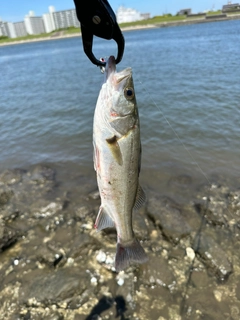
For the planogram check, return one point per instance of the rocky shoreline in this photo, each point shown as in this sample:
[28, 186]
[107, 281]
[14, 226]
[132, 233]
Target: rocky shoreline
[54, 265]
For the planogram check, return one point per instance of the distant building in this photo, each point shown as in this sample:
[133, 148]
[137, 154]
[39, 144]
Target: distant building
[65, 19]
[3, 31]
[231, 7]
[20, 29]
[7, 29]
[36, 25]
[145, 16]
[129, 15]
[184, 12]
[33, 24]
[11, 33]
[48, 20]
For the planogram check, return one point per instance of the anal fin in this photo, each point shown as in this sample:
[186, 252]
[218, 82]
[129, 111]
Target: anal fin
[103, 220]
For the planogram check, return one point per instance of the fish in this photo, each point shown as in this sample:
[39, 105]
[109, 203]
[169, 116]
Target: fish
[117, 162]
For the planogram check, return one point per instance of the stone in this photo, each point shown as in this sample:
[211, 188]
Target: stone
[158, 272]
[8, 236]
[212, 255]
[167, 215]
[5, 195]
[41, 174]
[11, 177]
[53, 287]
[181, 181]
[213, 205]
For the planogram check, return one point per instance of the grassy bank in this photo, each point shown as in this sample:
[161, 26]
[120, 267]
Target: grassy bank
[154, 20]
[54, 34]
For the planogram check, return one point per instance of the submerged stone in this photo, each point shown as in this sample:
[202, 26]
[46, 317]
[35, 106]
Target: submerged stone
[8, 236]
[53, 287]
[213, 256]
[158, 272]
[167, 215]
[41, 174]
[11, 177]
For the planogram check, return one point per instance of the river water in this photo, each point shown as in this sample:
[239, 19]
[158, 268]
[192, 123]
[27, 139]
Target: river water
[187, 88]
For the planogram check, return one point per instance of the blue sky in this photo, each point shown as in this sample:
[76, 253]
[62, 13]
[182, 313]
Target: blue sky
[15, 10]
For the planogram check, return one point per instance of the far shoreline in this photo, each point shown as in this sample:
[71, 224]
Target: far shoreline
[130, 28]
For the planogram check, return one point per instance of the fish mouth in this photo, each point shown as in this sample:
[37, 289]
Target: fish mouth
[110, 67]
[110, 70]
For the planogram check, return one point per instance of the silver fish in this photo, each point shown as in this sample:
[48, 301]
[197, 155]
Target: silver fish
[117, 156]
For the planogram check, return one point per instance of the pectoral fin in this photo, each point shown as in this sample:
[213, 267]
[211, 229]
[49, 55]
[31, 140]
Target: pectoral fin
[115, 149]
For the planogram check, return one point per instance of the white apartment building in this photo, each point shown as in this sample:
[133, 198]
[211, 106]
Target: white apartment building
[20, 29]
[36, 25]
[7, 29]
[48, 20]
[66, 18]
[3, 31]
[33, 24]
[55, 20]
[128, 15]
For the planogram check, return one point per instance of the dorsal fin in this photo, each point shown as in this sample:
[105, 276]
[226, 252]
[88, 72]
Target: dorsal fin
[140, 198]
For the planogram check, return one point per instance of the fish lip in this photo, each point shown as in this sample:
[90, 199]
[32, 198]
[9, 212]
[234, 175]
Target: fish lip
[110, 70]
[110, 67]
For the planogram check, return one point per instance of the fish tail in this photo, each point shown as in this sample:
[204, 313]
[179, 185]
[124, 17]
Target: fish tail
[130, 253]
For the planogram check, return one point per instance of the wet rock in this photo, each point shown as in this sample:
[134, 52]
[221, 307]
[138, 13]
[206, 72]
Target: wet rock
[48, 256]
[41, 174]
[177, 253]
[106, 259]
[152, 303]
[199, 278]
[5, 195]
[203, 305]
[82, 213]
[70, 242]
[158, 272]
[234, 207]
[212, 255]
[213, 205]
[58, 287]
[181, 181]
[167, 215]
[47, 314]
[11, 177]
[45, 208]
[9, 308]
[94, 195]
[8, 236]
[238, 289]
[62, 269]
[141, 224]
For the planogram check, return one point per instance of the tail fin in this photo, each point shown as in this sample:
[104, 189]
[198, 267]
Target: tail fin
[127, 254]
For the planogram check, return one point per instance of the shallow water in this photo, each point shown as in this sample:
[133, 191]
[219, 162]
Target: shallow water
[187, 88]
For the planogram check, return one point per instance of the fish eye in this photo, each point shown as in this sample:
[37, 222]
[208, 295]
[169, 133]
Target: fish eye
[129, 93]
